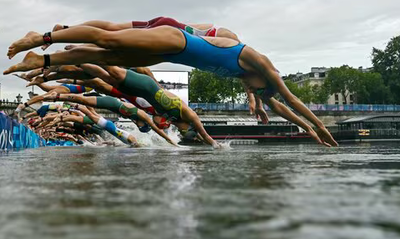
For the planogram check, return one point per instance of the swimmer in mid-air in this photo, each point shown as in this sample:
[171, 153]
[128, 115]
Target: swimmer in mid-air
[165, 104]
[62, 89]
[127, 110]
[208, 30]
[144, 47]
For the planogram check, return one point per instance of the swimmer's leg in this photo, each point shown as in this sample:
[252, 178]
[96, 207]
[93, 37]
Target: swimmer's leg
[142, 40]
[105, 25]
[85, 100]
[83, 55]
[122, 135]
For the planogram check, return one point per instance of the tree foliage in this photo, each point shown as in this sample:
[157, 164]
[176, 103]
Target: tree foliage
[307, 93]
[371, 89]
[343, 80]
[366, 87]
[387, 63]
[206, 87]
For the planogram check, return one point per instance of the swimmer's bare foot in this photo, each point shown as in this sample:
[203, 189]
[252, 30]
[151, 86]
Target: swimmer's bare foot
[29, 41]
[58, 27]
[45, 46]
[22, 76]
[46, 72]
[36, 81]
[70, 47]
[31, 61]
[51, 96]
[34, 73]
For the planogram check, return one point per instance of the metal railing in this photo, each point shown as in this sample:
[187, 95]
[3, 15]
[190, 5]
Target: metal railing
[313, 107]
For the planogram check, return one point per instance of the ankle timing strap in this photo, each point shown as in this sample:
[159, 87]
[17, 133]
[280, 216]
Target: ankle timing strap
[46, 61]
[57, 97]
[47, 38]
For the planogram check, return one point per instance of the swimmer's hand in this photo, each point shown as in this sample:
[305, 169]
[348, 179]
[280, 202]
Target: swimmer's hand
[261, 114]
[173, 143]
[314, 135]
[326, 137]
[216, 145]
[36, 81]
[252, 107]
[22, 76]
[136, 145]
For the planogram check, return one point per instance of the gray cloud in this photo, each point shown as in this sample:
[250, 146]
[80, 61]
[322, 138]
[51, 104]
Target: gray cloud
[296, 35]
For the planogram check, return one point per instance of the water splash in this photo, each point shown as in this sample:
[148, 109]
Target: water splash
[226, 145]
[149, 139]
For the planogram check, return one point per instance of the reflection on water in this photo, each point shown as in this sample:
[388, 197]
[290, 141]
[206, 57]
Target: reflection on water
[269, 191]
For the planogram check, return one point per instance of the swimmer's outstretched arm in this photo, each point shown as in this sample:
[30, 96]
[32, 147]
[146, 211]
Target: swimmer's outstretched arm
[299, 106]
[143, 116]
[192, 117]
[260, 111]
[286, 113]
[250, 97]
[29, 115]
[270, 74]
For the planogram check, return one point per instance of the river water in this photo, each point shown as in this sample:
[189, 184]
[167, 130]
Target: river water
[260, 191]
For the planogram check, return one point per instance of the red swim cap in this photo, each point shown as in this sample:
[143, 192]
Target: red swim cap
[164, 123]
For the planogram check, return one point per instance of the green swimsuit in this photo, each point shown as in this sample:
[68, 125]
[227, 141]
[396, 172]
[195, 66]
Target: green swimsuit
[141, 85]
[116, 106]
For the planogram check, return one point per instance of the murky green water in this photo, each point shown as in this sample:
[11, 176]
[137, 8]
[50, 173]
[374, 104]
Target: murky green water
[270, 191]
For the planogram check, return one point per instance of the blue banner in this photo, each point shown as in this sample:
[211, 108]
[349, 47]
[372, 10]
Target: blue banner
[6, 133]
[16, 135]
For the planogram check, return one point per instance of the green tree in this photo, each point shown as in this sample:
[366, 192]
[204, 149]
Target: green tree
[304, 93]
[343, 80]
[206, 87]
[372, 89]
[293, 87]
[387, 63]
[320, 94]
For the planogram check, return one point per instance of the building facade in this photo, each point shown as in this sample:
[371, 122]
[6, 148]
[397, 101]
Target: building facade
[317, 76]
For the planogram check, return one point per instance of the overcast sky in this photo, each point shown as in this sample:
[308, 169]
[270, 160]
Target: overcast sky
[294, 34]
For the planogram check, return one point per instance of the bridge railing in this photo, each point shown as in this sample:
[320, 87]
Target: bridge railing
[313, 107]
